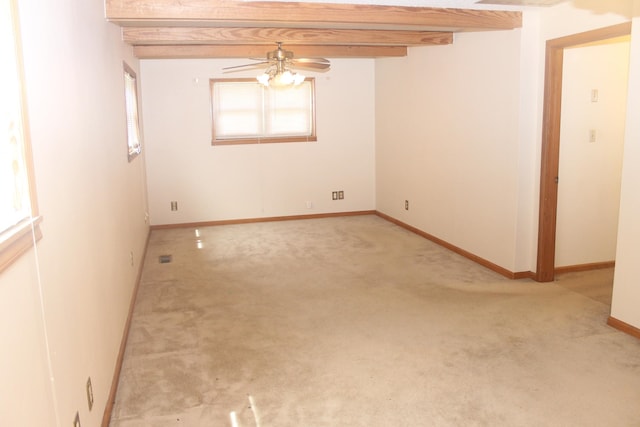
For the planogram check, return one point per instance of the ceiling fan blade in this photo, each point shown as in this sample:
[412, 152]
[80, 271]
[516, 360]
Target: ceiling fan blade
[312, 65]
[281, 58]
[317, 60]
[256, 64]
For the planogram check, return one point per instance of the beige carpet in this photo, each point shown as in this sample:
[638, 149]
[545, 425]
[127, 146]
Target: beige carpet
[356, 322]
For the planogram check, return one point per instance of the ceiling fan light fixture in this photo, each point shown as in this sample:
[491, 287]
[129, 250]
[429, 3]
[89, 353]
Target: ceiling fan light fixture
[280, 78]
[263, 79]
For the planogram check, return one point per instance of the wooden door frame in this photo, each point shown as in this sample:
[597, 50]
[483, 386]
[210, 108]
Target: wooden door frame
[550, 158]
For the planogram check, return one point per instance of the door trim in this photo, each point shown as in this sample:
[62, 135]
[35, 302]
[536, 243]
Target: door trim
[550, 157]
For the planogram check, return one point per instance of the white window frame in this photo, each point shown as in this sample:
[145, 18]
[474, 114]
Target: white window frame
[134, 142]
[261, 113]
[18, 234]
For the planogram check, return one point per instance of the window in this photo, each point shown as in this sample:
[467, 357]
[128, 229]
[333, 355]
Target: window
[133, 121]
[18, 208]
[245, 112]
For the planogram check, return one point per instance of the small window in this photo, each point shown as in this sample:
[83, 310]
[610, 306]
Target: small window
[18, 208]
[133, 121]
[246, 112]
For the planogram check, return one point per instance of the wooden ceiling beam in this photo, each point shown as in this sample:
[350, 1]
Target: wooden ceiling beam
[259, 51]
[259, 13]
[288, 36]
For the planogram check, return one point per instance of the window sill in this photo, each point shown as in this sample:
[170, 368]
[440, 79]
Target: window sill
[240, 141]
[17, 240]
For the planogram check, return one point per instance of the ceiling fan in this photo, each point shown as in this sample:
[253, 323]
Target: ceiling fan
[279, 67]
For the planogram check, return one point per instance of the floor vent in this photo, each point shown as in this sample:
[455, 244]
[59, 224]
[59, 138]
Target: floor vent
[164, 259]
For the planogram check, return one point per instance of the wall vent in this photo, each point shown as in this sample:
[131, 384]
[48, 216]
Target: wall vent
[164, 259]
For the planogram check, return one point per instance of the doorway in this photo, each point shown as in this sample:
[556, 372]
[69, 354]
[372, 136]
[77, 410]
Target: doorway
[550, 159]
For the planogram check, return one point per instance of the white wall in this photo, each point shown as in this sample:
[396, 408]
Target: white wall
[590, 172]
[25, 389]
[459, 132]
[447, 135]
[261, 180]
[64, 305]
[626, 288]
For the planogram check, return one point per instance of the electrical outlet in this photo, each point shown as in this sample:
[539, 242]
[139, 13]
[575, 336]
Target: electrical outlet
[174, 206]
[340, 195]
[406, 205]
[334, 195]
[76, 420]
[309, 205]
[90, 392]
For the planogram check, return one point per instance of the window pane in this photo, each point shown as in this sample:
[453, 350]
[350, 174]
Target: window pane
[237, 109]
[14, 184]
[131, 105]
[290, 110]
